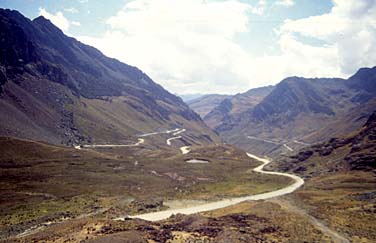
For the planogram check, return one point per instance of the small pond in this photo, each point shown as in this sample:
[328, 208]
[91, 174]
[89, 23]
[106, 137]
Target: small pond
[197, 161]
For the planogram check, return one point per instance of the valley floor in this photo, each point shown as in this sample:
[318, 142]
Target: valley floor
[311, 214]
[57, 194]
[44, 185]
[297, 182]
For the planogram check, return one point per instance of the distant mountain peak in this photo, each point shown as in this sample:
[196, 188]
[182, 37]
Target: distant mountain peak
[42, 19]
[364, 80]
[291, 97]
[11, 12]
[365, 70]
[48, 25]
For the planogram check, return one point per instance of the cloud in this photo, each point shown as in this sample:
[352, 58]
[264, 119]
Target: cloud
[191, 47]
[259, 9]
[349, 31]
[58, 19]
[184, 45]
[297, 59]
[75, 23]
[285, 3]
[71, 10]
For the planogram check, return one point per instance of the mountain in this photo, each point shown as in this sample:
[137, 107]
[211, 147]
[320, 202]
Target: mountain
[57, 89]
[364, 83]
[205, 104]
[301, 111]
[291, 97]
[189, 97]
[230, 109]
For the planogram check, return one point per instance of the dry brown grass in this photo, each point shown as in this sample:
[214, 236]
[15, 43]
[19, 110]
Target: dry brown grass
[41, 182]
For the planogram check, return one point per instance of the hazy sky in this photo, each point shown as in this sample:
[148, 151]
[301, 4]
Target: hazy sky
[221, 46]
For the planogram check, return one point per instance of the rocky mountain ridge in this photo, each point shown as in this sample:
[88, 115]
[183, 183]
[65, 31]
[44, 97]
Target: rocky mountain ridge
[57, 89]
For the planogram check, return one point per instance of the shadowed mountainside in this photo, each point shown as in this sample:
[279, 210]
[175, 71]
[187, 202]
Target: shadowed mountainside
[56, 89]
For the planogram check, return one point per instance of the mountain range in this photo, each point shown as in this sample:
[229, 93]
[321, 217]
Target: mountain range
[294, 113]
[56, 89]
[232, 107]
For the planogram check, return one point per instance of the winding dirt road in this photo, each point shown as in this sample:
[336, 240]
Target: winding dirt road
[272, 142]
[141, 140]
[298, 182]
[185, 149]
[168, 141]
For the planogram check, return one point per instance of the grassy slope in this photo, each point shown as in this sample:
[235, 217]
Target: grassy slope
[346, 202]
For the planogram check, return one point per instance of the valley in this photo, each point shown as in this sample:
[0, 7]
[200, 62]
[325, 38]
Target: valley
[335, 204]
[92, 150]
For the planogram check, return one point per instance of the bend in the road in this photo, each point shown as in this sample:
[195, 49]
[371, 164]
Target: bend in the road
[229, 202]
[185, 149]
[168, 141]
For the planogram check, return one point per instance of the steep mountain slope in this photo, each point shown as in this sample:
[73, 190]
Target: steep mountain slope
[231, 108]
[205, 104]
[56, 89]
[302, 111]
[354, 152]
